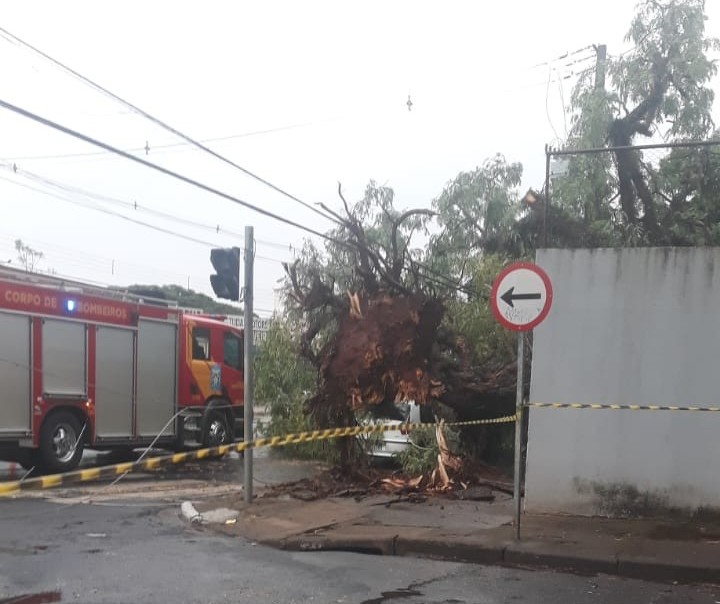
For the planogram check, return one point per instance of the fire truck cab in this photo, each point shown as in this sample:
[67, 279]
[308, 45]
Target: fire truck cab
[88, 367]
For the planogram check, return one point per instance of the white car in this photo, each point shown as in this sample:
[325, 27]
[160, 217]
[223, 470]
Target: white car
[391, 443]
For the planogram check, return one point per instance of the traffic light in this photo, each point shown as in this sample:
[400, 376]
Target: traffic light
[226, 283]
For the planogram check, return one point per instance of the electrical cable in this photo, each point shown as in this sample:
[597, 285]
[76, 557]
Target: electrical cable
[154, 148]
[124, 217]
[186, 179]
[441, 280]
[159, 122]
[565, 55]
[81, 260]
[562, 102]
[131, 205]
[103, 284]
[547, 105]
[75, 134]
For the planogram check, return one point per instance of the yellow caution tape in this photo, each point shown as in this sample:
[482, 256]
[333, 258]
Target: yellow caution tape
[112, 471]
[624, 407]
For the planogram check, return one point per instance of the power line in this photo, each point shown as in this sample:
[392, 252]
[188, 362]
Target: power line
[440, 279]
[70, 132]
[102, 284]
[445, 282]
[81, 260]
[124, 217]
[159, 122]
[167, 145]
[132, 205]
[564, 108]
[565, 55]
[567, 76]
[547, 104]
[56, 274]
[92, 141]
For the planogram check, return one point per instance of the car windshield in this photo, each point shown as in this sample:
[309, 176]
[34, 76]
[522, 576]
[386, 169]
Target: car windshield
[404, 410]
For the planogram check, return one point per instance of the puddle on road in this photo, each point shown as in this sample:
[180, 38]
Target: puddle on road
[390, 595]
[38, 598]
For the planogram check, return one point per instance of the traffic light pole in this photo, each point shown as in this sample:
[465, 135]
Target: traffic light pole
[248, 367]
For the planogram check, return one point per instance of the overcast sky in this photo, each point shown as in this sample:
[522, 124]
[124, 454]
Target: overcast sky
[311, 93]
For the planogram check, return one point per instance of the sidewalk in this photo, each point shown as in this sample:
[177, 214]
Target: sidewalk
[480, 532]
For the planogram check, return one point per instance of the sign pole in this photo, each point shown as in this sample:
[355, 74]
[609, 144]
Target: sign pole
[518, 431]
[520, 299]
[248, 366]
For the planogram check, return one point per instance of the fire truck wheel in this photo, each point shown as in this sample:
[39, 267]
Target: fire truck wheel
[217, 431]
[60, 449]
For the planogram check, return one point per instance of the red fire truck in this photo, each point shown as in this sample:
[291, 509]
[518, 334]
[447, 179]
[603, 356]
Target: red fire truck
[83, 366]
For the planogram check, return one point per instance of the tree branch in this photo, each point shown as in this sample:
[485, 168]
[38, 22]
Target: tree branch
[364, 252]
[397, 263]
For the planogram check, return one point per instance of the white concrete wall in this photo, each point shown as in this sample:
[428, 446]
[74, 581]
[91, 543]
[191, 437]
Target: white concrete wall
[633, 326]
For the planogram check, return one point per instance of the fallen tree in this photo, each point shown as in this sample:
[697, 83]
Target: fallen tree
[375, 328]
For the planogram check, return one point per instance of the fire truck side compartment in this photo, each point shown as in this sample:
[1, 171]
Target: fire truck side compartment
[114, 392]
[156, 378]
[15, 373]
[63, 359]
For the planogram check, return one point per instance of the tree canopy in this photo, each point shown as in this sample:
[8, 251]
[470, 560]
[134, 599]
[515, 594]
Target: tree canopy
[187, 298]
[658, 90]
[394, 305]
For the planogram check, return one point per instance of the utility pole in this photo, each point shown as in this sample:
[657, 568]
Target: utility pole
[600, 65]
[600, 71]
[248, 366]
[546, 206]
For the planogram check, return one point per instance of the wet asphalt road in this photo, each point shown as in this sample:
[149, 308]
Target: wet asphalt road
[142, 552]
[92, 458]
[194, 480]
[130, 545]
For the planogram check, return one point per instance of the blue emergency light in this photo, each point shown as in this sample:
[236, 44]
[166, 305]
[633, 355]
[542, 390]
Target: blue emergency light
[70, 305]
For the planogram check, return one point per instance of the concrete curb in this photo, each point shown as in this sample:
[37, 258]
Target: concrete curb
[451, 549]
[654, 570]
[543, 555]
[378, 546]
[524, 554]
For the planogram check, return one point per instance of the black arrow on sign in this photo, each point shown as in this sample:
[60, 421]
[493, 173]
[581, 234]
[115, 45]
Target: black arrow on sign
[509, 297]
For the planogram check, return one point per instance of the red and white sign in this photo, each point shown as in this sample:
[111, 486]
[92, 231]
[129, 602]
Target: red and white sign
[521, 296]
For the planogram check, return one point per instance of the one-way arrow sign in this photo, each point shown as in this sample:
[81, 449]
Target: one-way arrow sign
[521, 296]
[509, 297]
